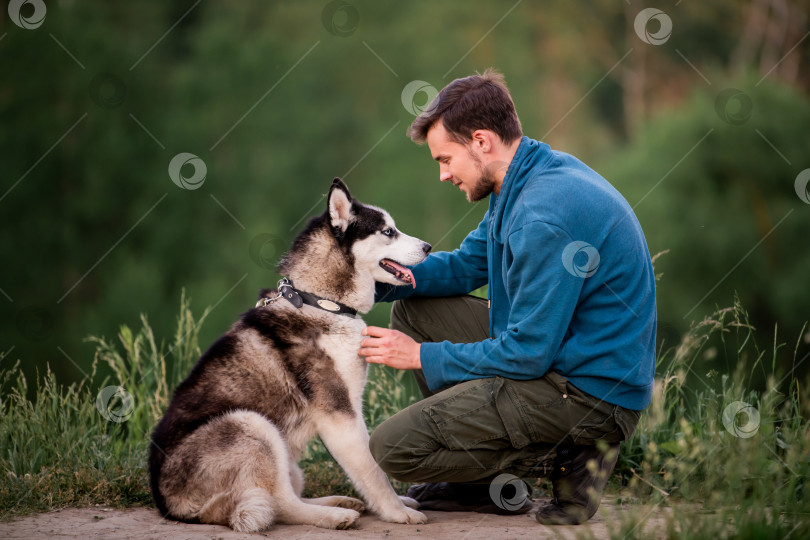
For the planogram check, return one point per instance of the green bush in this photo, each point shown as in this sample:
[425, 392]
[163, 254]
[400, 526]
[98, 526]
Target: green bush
[720, 198]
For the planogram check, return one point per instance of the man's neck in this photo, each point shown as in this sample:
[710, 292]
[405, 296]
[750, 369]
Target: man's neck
[500, 163]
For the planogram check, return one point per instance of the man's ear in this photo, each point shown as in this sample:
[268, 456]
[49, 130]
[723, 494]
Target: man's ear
[482, 140]
[340, 206]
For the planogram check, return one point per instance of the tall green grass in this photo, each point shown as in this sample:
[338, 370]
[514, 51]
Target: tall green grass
[86, 443]
[724, 474]
[64, 448]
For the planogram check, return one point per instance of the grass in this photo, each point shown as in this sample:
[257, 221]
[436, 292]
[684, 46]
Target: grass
[86, 443]
[686, 452]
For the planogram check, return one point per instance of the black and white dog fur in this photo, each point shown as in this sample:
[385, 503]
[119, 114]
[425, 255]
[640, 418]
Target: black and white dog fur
[227, 449]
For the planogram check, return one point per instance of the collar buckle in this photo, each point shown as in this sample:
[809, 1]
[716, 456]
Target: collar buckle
[299, 298]
[282, 283]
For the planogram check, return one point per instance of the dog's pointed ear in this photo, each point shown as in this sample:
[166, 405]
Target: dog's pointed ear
[340, 206]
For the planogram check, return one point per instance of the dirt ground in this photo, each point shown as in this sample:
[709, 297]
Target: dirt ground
[145, 523]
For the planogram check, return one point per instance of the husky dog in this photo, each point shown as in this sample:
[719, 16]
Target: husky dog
[226, 451]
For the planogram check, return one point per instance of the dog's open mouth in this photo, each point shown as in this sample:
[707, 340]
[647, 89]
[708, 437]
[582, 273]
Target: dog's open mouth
[398, 271]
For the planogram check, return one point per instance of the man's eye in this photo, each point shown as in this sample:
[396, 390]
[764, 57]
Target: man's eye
[388, 232]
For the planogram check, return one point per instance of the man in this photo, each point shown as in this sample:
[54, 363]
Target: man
[551, 372]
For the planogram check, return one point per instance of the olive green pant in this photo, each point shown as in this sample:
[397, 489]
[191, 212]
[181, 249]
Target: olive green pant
[476, 430]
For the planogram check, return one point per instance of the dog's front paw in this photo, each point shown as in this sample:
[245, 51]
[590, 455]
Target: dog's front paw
[340, 518]
[404, 515]
[410, 503]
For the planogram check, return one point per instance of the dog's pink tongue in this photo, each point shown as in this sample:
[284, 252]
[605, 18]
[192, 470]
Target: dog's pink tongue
[413, 279]
[403, 270]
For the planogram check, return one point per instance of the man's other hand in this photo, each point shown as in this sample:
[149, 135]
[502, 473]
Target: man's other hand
[390, 347]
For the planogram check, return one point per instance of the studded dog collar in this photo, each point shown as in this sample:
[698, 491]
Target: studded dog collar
[298, 298]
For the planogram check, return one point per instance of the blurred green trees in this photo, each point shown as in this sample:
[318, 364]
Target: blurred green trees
[728, 214]
[278, 98]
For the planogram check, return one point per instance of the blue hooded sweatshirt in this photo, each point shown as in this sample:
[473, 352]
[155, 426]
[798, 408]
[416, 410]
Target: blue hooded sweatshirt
[571, 284]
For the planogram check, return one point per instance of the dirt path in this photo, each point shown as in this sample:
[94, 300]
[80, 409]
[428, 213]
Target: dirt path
[144, 523]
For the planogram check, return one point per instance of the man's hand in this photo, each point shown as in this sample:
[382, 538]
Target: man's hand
[390, 347]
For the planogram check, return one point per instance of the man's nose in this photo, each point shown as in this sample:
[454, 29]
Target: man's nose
[445, 176]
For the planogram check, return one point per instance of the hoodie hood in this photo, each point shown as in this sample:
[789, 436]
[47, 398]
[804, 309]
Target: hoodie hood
[530, 158]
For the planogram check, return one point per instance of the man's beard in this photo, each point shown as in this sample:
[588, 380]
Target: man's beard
[485, 184]
[483, 188]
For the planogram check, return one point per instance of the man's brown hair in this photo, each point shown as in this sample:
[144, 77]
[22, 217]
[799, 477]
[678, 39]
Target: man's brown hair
[474, 102]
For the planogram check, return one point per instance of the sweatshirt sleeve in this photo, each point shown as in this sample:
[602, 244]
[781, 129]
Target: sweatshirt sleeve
[446, 273]
[543, 297]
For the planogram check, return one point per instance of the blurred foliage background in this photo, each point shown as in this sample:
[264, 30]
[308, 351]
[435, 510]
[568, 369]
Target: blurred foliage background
[704, 130]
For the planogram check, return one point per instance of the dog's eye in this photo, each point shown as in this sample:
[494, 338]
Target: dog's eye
[388, 232]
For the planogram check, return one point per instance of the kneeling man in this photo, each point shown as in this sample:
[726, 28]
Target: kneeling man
[552, 371]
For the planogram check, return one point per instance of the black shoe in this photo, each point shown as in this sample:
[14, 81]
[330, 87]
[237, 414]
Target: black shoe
[577, 491]
[458, 497]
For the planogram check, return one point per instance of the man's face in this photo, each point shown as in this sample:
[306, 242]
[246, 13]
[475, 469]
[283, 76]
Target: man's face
[458, 163]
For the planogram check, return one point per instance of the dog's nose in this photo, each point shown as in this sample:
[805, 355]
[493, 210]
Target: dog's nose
[426, 247]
